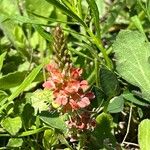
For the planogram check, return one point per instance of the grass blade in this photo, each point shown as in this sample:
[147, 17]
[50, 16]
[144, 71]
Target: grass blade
[66, 10]
[26, 82]
[95, 15]
[2, 57]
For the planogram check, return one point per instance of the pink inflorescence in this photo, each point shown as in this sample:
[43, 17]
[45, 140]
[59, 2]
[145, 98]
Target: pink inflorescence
[69, 89]
[82, 122]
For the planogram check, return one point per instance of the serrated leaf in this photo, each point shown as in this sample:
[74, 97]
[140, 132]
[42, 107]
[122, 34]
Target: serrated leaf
[132, 53]
[53, 120]
[116, 104]
[144, 134]
[15, 142]
[40, 98]
[12, 125]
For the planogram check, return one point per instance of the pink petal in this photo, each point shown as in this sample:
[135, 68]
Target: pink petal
[84, 102]
[73, 104]
[49, 85]
[72, 86]
[61, 100]
[84, 84]
[76, 73]
[81, 126]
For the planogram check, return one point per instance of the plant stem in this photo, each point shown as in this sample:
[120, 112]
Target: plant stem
[99, 45]
[128, 127]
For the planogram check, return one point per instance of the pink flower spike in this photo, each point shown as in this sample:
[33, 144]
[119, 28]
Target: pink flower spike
[84, 102]
[84, 84]
[51, 67]
[49, 85]
[73, 104]
[72, 86]
[61, 98]
[76, 73]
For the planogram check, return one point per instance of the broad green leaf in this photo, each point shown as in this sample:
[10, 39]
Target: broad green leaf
[144, 134]
[41, 99]
[131, 98]
[99, 97]
[53, 120]
[40, 7]
[28, 80]
[116, 104]
[12, 125]
[15, 142]
[109, 82]
[27, 115]
[7, 81]
[95, 15]
[57, 4]
[132, 53]
[2, 57]
[103, 130]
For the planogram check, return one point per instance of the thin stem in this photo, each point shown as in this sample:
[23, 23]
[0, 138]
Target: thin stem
[129, 143]
[97, 73]
[99, 45]
[128, 127]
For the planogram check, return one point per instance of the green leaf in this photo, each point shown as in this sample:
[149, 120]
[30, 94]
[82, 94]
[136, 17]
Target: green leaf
[132, 53]
[50, 138]
[7, 81]
[116, 104]
[95, 15]
[41, 99]
[12, 125]
[3, 95]
[144, 134]
[26, 82]
[131, 98]
[40, 7]
[2, 57]
[109, 82]
[15, 142]
[138, 24]
[27, 115]
[102, 131]
[99, 97]
[41, 31]
[57, 4]
[53, 120]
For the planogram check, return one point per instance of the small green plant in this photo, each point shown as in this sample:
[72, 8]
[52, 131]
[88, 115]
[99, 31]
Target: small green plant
[74, 74]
